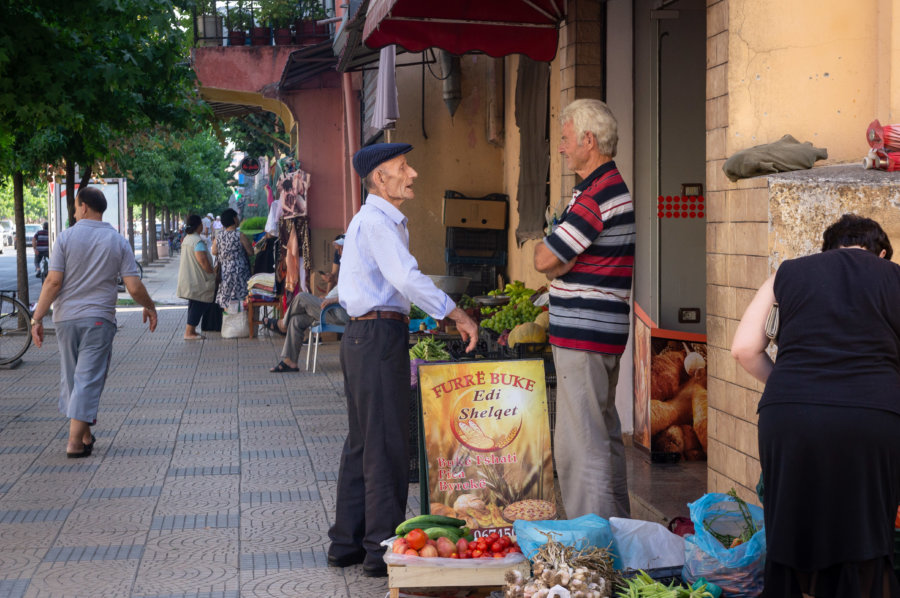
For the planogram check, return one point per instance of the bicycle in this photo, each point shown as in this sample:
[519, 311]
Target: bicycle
[120, 284]
[15, 328]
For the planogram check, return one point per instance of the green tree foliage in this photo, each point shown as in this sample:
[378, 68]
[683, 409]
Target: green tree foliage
[76, 75]
[35, 201]
[184, 171]
[258, 134]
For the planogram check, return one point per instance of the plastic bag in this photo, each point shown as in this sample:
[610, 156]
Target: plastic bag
[417, 561]
[739, 570]
[583, 532]
[646, 545]
[235, 325]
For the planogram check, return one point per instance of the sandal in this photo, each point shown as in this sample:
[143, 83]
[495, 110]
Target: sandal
[283, 367]
[272, 324]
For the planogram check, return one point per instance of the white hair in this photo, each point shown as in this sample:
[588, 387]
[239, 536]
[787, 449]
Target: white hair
[595, 117]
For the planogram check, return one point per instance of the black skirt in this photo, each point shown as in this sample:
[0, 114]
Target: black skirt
[832, 483]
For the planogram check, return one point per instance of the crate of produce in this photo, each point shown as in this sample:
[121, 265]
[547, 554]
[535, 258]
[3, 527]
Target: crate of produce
[400, 576]
[483, 277]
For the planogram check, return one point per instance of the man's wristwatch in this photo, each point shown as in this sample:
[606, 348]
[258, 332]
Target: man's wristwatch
[36, 322]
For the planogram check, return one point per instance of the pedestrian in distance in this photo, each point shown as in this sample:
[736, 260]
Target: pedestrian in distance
[40, 242]
[87, 259]
[232, 249]
[196, 277]
[379, 278]
[589, 258]
[829, 417]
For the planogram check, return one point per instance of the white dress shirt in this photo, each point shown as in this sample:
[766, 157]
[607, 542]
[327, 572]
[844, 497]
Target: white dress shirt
[377, 270]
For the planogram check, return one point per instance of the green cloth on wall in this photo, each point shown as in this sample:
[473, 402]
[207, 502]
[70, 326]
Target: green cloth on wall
[783, 155]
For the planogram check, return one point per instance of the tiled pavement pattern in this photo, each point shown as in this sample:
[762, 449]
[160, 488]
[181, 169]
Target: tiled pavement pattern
[211, 477]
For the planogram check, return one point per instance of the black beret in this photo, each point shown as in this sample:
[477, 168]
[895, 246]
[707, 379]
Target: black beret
[369, 157]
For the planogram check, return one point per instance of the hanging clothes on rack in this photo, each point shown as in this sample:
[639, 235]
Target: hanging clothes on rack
[293, 268]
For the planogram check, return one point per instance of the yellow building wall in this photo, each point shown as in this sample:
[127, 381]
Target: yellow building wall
[820, 70]
[456, 154]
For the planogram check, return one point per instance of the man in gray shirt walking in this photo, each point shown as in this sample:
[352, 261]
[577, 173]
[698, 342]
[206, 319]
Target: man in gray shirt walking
[86, 261]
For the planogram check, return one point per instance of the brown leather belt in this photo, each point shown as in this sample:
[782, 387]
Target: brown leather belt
[382, 315]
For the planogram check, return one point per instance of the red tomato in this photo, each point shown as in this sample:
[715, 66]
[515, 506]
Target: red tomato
[476, 553]
[411, 552]
[454, 555]
[496, 547]
[416, 539]
[505, 541]
[515, 549]
[498, 555]
[494, 537]
[467, 554]
[481, 545]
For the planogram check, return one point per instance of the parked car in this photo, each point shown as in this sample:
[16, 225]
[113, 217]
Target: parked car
[30, 229]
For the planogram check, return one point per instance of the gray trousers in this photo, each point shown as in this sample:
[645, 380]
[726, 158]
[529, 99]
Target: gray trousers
[305, 310]
[588, 446]
[85, 350]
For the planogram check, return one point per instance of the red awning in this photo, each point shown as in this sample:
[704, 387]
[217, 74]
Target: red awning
[495, 27]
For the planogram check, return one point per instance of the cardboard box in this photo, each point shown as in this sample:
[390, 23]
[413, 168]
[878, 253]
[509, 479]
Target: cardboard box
[475, 213]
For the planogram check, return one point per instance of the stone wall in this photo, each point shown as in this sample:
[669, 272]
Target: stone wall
[736, 264]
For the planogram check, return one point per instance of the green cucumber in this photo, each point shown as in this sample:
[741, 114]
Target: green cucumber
[443, 531]
[426, 521]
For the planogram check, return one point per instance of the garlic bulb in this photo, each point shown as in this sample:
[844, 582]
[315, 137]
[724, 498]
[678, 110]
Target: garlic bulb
[693, 362]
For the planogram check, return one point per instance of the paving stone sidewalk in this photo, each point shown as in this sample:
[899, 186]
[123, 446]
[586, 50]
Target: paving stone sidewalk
[211, 477]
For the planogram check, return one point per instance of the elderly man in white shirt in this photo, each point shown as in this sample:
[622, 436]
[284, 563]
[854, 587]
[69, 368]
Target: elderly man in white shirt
[378, 279]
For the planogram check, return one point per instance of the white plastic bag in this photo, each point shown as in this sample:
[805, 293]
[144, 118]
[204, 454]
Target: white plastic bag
[646, 545]
[235, 325]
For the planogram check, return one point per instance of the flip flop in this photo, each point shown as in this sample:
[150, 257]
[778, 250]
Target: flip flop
[272, 324]
[283, 367]
[199, 337]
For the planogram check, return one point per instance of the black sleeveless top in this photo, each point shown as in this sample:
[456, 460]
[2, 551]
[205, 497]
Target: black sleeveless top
[839, 335]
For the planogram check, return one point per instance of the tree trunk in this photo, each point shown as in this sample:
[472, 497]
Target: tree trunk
[130, 226]
[151, 222]
[22, 268]
[145, 239]
[85, 177]
[70, 190]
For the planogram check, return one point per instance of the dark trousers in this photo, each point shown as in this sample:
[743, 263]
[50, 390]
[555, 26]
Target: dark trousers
[196, 311]
[373, 481]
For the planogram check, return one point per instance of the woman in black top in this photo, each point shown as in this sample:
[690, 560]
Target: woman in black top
[829, 418]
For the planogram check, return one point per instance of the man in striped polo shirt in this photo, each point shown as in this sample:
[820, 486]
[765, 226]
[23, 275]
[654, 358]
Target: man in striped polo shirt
[589, 259]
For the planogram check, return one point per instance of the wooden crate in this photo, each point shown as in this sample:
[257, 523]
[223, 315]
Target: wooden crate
[401, 576]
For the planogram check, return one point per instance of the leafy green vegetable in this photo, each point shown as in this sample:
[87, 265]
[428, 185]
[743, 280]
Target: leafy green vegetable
[416, 313]
[429, 349]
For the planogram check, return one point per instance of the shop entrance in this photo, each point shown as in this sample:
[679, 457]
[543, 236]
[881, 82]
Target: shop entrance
[660, 103]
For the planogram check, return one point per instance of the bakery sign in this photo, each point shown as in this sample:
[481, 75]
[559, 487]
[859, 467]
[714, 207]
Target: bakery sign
[487, 442]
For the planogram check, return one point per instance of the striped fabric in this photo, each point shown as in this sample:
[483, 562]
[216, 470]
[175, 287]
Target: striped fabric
[589, 305]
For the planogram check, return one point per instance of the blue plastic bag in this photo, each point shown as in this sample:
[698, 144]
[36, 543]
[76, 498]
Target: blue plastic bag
[739, 570]
[583, 532]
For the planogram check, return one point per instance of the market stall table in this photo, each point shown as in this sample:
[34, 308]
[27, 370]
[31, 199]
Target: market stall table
[254, 304]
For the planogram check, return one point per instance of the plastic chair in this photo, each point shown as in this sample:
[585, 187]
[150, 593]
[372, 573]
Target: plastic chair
[316, 330]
